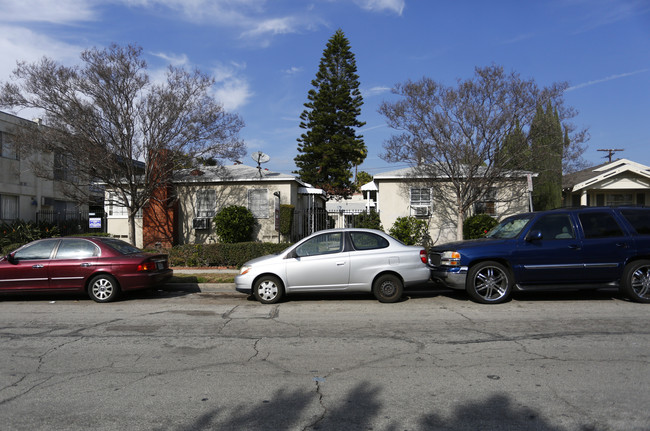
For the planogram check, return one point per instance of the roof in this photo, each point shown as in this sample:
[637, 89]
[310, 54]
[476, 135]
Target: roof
[230, 173]
[410, 172]
[590, 176]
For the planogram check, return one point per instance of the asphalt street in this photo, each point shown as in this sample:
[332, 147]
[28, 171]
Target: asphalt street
[201, 357]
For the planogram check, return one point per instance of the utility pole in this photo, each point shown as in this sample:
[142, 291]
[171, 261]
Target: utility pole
[610, 152]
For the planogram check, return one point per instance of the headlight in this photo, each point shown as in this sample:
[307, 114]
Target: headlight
[244, 269]
[450, 258]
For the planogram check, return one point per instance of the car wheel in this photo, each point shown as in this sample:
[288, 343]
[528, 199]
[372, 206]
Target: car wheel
[103, 288]
[489, 283]
[268, 289]
[388, 288]
[636, 281]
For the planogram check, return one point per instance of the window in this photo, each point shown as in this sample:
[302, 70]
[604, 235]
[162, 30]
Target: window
[639, 219]
[76, 249]
[554, 226]
[37, 251]
[367, 241]
[420, 196]
[488, 204]
[599, 225]
[206, 203]
[64, 169]
[115, 207]
[8, 207]
[620, 199]
[322, 244]
[7, 148]
[258, 203]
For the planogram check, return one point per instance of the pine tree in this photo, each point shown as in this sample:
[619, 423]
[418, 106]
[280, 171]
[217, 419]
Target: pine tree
[515, 152]
[330, 147]
[547, 144]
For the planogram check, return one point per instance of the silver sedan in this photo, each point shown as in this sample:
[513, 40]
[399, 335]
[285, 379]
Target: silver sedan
[337, 260]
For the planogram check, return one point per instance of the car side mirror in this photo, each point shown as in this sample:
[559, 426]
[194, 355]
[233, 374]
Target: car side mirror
[534, 235]
[292, 254]
[12, 259]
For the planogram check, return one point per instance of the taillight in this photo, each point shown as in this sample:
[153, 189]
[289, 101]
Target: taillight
[147, 266]
[423, 256]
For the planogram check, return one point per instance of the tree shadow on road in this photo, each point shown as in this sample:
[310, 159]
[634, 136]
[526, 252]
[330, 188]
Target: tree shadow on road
[362, 409]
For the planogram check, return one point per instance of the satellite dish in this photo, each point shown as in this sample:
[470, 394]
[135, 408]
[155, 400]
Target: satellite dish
[260, 158]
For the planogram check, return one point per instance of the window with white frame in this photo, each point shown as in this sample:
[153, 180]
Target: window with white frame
[8, 207]
[420, 200]
[206, 203]
[7, 148]
[258, 203]
[115, 207]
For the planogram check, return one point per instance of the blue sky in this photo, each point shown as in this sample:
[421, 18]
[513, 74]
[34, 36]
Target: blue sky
[264, 54]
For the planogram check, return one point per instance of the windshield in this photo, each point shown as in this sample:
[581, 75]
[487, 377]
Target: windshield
[509, 228]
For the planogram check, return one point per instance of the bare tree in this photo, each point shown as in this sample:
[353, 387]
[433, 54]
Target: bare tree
[453, 136]
[106, 121]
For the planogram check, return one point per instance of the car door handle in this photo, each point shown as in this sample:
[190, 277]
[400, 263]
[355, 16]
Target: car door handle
[37, 266]
[574, 246]
[340, 263]
[86, 264]
[622, 244]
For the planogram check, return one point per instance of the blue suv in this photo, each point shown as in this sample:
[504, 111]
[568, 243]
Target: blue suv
[568, 248]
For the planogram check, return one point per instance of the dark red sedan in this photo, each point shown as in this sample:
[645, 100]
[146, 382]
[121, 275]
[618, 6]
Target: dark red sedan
[103, 267]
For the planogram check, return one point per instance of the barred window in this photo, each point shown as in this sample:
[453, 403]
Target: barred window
[258, 203]
[420, 196]
[206, 203]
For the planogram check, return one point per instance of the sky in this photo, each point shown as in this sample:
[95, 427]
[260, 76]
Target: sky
[264, 54]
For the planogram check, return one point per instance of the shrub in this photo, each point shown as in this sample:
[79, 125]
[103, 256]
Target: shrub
[221, 254]
[369, 220]
[410, 230]
[21, 232]
[286, 219]
[477, 226]
[234, 224]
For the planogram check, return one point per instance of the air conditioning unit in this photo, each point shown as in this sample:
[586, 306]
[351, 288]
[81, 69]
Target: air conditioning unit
[420, 211]
[201, 223]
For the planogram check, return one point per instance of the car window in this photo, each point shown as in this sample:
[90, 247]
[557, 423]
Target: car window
[37, 251]
[76, 249]
[367, 241]
[554, 226]
[639, 219]
[509, 228]
[321, 244]
[121, 246]
[599, 225]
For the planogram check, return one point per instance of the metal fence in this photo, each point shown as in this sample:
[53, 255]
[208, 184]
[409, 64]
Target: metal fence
[306, 222]
[69, 222]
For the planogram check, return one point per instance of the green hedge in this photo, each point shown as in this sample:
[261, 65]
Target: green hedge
[221, 254]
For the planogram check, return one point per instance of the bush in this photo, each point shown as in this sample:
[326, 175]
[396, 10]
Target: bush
[286, 219]
[410, 230]
[221, 254]
[234, 224]
[21, 232]
[477, 226]
[369, 220]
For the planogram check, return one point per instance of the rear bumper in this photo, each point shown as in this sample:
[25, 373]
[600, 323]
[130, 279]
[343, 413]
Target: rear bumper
[145, 280]
[452, 277]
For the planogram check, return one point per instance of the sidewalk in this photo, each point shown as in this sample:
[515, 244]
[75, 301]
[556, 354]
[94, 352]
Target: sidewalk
[204, 287]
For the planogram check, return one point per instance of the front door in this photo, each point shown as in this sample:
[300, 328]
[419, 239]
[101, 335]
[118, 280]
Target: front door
[319, 263]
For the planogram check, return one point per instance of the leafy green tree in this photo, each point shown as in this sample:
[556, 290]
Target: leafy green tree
[515, 152]
[234, 224]
[477, 226]
[368, 220]
[330, 147]
[548, 142]
[409, 230]
[363, 177]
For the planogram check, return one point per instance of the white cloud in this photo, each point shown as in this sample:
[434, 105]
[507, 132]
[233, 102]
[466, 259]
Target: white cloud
[293, 70]
[609, 78]
[173, 59]
[396, 6]
[232, 90]
[58, 12]
[375, 91]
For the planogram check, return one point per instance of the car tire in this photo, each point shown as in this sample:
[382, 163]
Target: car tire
[388, 288]
[489, 283]
[103, 288]
[636, 281]
[268, 289]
